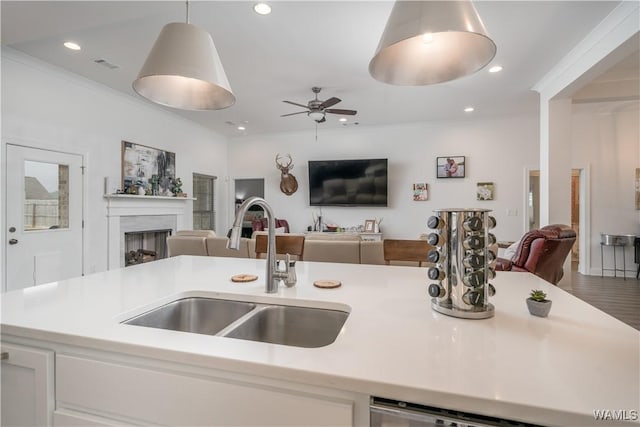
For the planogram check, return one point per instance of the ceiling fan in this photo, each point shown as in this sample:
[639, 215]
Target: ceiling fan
[317, 109]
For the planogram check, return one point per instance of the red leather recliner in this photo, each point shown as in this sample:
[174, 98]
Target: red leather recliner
[542, 252]
[263, 223]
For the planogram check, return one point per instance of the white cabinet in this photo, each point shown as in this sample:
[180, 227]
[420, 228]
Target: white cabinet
[27, 386]
[140, 394]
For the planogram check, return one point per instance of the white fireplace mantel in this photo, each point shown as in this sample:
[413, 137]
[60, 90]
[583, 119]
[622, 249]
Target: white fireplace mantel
[125, 205]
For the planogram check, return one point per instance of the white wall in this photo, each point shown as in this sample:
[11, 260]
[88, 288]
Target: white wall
[46, 107]
[496, 150]
[606, 138]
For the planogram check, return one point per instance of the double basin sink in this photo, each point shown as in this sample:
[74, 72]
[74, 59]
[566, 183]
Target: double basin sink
[276, 324]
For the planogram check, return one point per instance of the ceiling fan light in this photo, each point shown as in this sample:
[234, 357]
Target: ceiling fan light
[457, 45]
[316, 115]
[183, 70]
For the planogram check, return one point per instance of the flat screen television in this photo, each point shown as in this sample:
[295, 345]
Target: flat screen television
[360, 182]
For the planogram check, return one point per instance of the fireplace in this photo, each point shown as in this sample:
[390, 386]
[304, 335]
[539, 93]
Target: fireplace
[145, 246]
[146, 215]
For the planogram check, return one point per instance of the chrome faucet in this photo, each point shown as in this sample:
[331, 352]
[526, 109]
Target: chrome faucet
[272, 276]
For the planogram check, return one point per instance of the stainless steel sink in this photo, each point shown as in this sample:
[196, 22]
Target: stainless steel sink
[276, 324]
[199, 315]
[291, 325]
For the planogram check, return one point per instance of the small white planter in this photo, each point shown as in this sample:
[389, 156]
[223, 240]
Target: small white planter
[539, 308]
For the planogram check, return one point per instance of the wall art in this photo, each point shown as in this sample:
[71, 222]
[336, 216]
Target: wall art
[450, 167]
[420, 192]
[485, 191]
[147, 170]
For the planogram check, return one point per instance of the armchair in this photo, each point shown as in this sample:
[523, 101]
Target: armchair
[542, 252]
[262, 224]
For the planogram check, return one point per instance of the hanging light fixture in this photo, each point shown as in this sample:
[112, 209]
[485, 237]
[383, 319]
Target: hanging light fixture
[183, 70]
[428, 42]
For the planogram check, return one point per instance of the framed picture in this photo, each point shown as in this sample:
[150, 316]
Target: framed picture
[420, 191]
[147, 168]
[369, 225]
[484, 191]
[450, 167]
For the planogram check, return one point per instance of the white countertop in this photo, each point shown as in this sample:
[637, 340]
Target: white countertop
[552, 371]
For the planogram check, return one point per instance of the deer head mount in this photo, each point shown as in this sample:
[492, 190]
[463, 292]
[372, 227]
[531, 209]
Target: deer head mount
[288, 182]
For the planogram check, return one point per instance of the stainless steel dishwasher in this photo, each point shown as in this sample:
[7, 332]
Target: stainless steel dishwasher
[393, 413]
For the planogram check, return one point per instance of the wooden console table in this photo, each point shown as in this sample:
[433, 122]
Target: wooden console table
[375, 237]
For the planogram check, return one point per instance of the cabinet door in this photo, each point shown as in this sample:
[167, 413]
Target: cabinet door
[151, 396]
[27, 386]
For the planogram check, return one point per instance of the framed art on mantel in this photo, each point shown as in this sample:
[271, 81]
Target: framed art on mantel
[143, 166]
[450, 167]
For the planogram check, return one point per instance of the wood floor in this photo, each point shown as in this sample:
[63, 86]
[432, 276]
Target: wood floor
[615, 296]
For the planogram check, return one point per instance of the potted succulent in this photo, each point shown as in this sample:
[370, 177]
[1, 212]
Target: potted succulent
[538, 304]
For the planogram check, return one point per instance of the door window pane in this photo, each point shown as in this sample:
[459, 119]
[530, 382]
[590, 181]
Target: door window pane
[204, 214]
[46, 196]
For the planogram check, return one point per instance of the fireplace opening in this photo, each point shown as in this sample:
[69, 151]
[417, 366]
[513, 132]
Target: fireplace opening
[145, 246]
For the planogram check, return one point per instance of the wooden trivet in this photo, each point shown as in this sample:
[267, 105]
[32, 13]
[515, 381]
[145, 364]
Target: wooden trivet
[327, 284]
[242, 278]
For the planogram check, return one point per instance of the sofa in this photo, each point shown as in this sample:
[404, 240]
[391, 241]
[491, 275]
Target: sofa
[189, 242]
[340, 248]
[318, 247]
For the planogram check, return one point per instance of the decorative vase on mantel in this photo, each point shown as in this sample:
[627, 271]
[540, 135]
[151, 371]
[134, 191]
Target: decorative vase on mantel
[538, 305]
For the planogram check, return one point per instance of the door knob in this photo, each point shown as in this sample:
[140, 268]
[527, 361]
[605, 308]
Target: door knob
[13, 241]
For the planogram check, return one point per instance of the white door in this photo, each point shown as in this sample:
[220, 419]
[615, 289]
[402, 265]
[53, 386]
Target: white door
[44, 216]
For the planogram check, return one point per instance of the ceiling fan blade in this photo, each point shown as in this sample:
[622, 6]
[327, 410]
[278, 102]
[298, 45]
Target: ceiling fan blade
[343, 112]
[329, 102]
[293, 114]
[295, 103]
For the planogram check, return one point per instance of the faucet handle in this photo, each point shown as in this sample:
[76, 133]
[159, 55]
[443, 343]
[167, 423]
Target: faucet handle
[280, 273]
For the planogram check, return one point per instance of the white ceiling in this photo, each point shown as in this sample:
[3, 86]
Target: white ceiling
[302, 44]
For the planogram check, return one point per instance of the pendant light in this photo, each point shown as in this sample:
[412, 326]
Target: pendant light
[428, 42]
[183, 70]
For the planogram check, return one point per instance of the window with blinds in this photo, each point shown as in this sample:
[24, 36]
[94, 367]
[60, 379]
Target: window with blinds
[204, 213]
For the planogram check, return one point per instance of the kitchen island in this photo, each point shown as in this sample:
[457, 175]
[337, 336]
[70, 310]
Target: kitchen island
[546, 371]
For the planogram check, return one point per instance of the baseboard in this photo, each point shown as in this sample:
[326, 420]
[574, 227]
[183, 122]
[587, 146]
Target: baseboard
[619, 273]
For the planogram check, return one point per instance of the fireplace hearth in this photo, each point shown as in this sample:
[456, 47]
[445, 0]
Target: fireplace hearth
[145, 246]
[142, 214]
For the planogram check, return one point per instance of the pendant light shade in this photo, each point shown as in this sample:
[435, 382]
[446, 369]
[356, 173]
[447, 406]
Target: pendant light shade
[183, 70]
[428, 42]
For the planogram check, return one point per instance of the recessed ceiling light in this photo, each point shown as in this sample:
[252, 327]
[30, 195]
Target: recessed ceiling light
[469, 109]
[342, 119]
[495, 69]
[72, 45]
[241, 128]
[262, 8]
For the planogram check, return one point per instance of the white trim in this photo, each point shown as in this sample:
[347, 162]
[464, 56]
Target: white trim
[584, 260]
[618, 27]
[525, 208]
